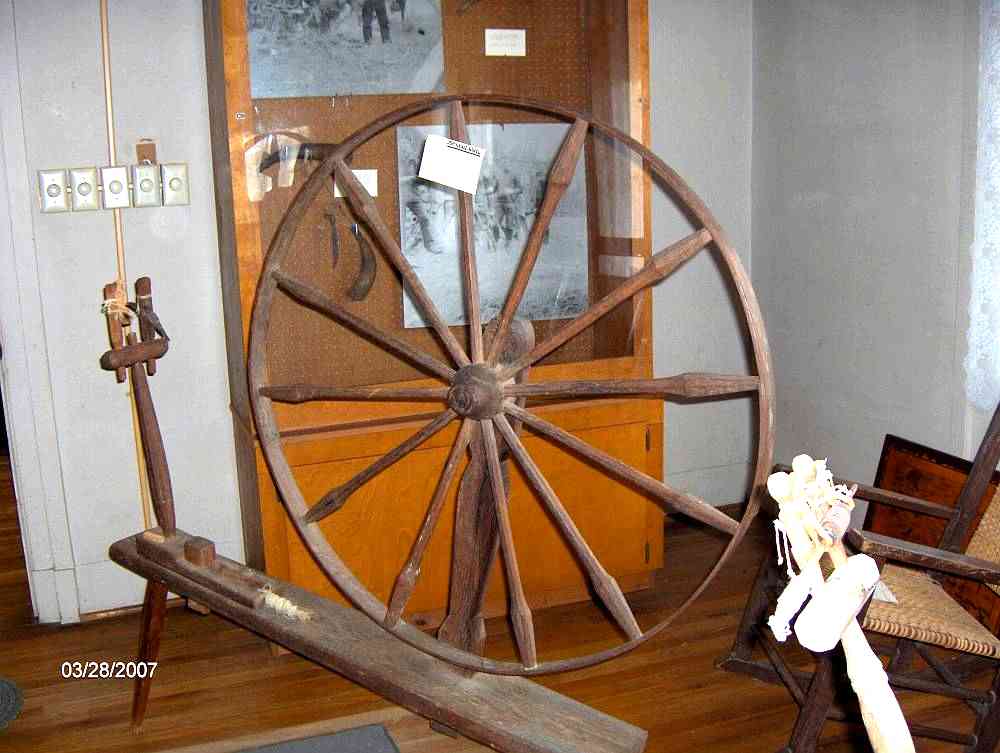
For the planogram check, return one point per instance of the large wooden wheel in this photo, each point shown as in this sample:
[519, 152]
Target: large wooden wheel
[481, 392]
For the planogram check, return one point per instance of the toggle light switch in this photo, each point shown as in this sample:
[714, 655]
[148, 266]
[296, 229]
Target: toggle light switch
[146, 186]
[52, 190]
[83, 188]
[175, 184]
[114, 181]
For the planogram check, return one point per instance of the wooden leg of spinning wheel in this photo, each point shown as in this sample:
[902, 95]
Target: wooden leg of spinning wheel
[477, 540]
[812, 715]
[153, 613]
[475, 551]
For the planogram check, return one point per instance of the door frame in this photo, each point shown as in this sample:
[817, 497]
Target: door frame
[24, 366]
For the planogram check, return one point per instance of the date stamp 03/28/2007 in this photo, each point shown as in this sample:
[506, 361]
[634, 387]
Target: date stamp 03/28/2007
[106, 670]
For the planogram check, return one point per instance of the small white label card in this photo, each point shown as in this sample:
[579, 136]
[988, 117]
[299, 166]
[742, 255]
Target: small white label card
[451, 163]
[510, 43]
[367, 178]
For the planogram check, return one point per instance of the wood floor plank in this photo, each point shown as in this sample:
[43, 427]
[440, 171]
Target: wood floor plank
[218, 686]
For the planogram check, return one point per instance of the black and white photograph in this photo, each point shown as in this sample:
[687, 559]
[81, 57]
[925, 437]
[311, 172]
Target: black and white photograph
[511, 186]
[325, 48]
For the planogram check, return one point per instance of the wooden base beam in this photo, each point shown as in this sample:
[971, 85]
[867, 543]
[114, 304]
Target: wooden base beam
[510, 714]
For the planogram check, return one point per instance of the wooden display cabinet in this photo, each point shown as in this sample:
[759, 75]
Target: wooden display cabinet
[589, 55]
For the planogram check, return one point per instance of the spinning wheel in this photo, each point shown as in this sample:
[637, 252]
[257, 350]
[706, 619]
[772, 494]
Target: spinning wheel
[484, 390]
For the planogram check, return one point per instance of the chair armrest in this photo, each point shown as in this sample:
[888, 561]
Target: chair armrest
[918, 555]
[893, 499]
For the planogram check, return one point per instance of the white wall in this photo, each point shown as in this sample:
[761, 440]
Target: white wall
[701, 61]
[157, 55]
[861, 219]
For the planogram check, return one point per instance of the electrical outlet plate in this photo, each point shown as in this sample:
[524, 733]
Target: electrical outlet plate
[52, 190]
[83, 188]
[146, 186]
[115, 193]
[176, 191]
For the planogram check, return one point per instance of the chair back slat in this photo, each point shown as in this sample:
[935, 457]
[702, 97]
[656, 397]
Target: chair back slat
[985, 543]
[987, 457]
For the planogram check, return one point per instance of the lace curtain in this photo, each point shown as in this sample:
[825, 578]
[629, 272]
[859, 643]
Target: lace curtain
[982, 363]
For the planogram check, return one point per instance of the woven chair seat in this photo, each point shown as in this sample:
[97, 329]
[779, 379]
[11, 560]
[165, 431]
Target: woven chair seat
[926, 613]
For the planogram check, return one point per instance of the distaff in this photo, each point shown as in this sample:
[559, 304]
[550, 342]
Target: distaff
[814, 515]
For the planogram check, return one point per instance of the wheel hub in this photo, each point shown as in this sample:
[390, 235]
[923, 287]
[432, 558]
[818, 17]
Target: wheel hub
[475, 392]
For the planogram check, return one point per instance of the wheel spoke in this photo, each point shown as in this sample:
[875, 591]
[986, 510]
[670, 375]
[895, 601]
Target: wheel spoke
[313, 298]
[605, 585]
[304, 393]
[363, 204]
[470, 274]
[334, 499]
[683, 502]
[686, 386]
[407, 578]
[560, 176]
[520, 614]
[661, 265]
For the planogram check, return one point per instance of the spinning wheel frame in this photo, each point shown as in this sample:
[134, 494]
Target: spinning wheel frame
[487, 399]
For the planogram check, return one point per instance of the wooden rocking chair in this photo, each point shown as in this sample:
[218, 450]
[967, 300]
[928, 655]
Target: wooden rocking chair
[924, 617]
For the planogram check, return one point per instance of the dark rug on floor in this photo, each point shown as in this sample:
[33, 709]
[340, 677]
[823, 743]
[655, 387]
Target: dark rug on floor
[370, 739]
[11, 701]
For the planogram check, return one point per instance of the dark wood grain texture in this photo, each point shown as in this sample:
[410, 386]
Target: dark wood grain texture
[302, 393]
[676, 500]
[366, 209]
[659, 267]
[967, 505]
[154, 608]
[122, 358]
[688, 386]
[146, 316]
[559, 178]
[474, 551]
[338, 496]
[604, 585]
[924, 557]
[157, 471]
[407, 577]
[480, 404]
[370, 656]
[116, 335]
[467, 243]
[520, 613]
[309, 296]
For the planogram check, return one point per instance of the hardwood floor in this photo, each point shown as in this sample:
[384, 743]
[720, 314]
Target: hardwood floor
[15, 601]
[219, 689]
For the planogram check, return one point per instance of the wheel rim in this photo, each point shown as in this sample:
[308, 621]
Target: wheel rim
[492, 420]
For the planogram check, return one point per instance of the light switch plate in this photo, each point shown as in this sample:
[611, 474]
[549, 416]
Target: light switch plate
[146, 186]
[83, 188]
[176, 191]
[52, 190]
[114, 181]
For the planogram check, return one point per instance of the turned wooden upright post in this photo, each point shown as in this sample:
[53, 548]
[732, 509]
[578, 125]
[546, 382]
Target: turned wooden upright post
[476, 532]
[138, 357]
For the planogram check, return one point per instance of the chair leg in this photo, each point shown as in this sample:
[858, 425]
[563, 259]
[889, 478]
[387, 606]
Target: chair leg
[988, 730]
[154, 609]
[902, 657]
[756, 610]
[819, 700]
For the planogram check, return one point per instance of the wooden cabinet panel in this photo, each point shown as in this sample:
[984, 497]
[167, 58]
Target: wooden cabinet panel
[373, 532]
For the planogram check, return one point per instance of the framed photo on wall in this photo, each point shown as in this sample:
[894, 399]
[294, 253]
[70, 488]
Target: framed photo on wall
[326, 48]
[511, 185]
